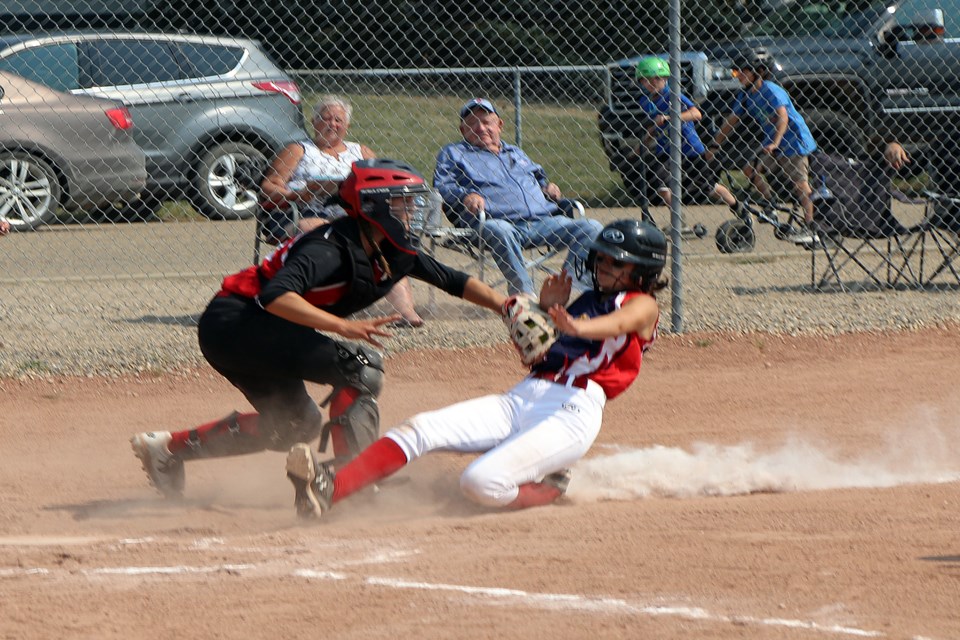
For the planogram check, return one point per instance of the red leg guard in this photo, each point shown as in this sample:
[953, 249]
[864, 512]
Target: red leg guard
[535, 494]
[381, 459]
[247, 423]
[343, 399]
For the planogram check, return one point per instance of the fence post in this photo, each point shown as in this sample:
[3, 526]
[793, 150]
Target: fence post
[676, 221]
[517, 100]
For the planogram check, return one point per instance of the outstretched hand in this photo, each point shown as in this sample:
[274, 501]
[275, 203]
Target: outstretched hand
[368, 329]
[556, 290]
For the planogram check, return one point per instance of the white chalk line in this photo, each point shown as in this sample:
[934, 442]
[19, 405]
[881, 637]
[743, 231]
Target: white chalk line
[557, 601]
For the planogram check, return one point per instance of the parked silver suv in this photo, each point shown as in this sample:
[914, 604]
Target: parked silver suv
[202, 105]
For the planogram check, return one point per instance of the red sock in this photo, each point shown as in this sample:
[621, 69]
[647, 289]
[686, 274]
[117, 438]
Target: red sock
[534, 494]
[247, 423]
[341, 401]
[381, 459]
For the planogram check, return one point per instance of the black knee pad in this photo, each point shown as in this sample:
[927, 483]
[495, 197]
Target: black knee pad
[361, 367]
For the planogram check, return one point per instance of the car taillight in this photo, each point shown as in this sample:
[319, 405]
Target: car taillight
[120, 118]
[288, 88]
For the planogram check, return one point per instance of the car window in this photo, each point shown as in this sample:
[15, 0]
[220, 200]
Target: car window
[52, 65]
[210, 60]
[122, 61]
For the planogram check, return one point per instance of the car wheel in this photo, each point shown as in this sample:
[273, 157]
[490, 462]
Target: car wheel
[29, 191]
[217, 192]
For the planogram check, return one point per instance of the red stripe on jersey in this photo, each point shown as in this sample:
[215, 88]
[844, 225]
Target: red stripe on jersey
[328, 295]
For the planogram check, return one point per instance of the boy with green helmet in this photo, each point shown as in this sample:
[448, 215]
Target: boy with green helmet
[653, 72]
[653, 67]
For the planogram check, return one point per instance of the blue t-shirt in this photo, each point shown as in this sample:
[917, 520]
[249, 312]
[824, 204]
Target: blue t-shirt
[690, 143]
[762, 106]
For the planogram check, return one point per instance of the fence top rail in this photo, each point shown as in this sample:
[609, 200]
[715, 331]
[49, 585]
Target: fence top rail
[445, 70]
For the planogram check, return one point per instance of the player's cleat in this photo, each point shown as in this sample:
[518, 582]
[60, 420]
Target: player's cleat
[558, 479]
[164, 469]
[312, 482]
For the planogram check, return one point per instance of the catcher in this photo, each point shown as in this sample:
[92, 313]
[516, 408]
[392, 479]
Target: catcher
[580, 357]
[262, 331]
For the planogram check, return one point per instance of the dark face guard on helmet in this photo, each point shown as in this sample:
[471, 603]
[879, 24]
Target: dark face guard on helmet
[389, 196]
[393, 210]
[632, 242]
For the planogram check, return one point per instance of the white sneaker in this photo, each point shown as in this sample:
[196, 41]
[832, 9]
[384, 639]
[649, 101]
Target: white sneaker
[164, 469]
[805, 237]
[312, 482]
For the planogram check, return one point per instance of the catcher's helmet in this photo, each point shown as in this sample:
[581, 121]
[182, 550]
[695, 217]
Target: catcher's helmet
[632, 241]
[369, 189]
[653, 67]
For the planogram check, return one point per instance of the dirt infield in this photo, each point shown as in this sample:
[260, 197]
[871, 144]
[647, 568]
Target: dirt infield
[745, 487]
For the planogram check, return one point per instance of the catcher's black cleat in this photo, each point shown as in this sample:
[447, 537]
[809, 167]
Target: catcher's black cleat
[312, 482]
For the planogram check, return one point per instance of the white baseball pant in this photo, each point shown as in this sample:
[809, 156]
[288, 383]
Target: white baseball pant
[536, 428]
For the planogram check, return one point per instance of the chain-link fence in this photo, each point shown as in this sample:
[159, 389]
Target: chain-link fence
[129, 130]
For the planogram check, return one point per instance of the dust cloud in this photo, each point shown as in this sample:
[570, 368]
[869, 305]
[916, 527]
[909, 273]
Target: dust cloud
[903, 456]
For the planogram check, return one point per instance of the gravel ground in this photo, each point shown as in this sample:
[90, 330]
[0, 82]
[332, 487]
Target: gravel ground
[97, 300]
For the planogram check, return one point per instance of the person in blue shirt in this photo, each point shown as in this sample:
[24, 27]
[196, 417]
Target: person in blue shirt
[787, 140]
[483, 173]
[653, 72]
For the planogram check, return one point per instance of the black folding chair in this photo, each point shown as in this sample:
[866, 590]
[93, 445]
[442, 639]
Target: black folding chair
[856, 228]
[941, 224]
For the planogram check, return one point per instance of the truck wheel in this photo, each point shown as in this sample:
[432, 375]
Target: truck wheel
[735, 236]
[836, 134]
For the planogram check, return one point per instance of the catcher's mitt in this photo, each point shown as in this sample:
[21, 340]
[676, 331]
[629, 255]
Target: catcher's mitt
[531, 328]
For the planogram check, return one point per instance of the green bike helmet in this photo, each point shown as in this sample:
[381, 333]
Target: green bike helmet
[653, 67]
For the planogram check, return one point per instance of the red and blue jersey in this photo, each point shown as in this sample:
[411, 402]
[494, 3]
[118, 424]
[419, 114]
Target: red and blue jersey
[613, 363]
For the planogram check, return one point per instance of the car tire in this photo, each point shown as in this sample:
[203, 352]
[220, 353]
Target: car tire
[29, 191]
[217, 192]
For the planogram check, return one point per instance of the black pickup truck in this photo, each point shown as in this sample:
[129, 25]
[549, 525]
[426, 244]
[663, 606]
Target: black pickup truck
[871, 70]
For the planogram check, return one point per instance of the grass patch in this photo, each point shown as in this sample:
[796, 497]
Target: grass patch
[178, 211]
[703, 343]
[34, 366]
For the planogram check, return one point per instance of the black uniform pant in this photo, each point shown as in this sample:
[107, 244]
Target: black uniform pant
[268, 359]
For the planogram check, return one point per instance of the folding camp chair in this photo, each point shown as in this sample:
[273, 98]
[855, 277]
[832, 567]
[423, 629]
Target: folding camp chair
[273, 225]
[436, 232]
[940, 227]
[854, 221]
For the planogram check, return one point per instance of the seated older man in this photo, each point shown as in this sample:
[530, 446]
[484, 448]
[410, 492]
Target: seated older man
[483, 173]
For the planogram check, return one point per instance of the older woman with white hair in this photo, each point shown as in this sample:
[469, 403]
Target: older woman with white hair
[307, 172]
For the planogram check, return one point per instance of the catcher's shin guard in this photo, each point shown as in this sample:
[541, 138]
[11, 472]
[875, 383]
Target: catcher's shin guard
[354, 416]
[354, 424]
[233, 435]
